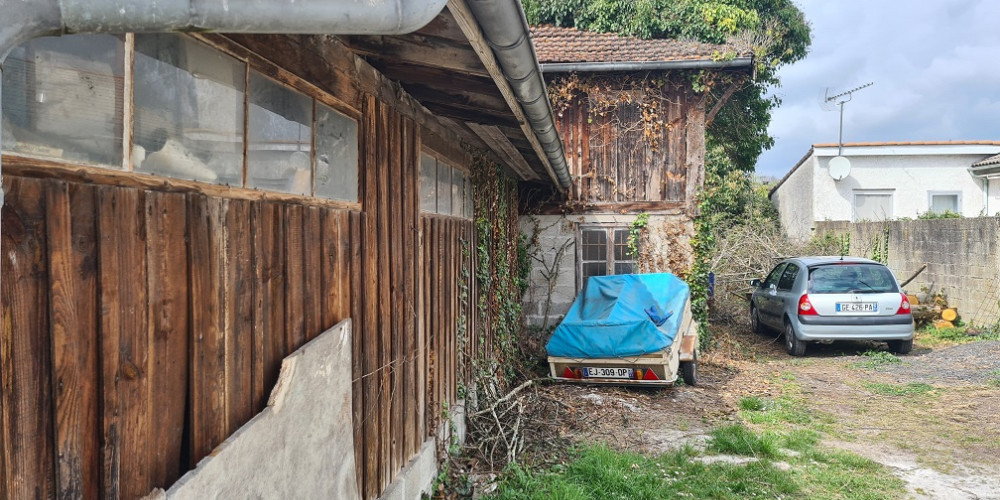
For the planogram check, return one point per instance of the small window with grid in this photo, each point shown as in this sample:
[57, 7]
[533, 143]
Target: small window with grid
[604, 251]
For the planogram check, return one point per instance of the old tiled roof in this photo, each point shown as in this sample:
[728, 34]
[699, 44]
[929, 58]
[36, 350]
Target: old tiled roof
[567, 45]
[993, 160]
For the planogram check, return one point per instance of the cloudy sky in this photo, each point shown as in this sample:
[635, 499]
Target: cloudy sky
[935, 64]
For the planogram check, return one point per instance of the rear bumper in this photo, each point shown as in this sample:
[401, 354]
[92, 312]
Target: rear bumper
[856, 328]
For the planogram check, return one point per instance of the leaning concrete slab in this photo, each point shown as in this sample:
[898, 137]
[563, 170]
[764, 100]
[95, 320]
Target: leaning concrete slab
[300, 446]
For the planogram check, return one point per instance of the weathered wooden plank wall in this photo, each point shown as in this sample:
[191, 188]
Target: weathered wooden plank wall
[612, 156]
[141, 328]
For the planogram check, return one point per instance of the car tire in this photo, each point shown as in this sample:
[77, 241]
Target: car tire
[795, 346]
[901, 346]
[689, 370]
[755, 323]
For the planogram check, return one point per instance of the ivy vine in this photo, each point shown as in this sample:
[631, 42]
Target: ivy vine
[635, 230]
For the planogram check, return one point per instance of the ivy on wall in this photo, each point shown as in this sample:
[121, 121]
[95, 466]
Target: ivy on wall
[502, 267]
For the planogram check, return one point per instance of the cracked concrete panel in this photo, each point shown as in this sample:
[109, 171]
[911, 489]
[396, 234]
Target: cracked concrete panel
[300, 446]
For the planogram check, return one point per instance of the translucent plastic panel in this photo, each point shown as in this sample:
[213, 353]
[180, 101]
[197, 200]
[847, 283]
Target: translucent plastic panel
[428, 183]
[188, 110]
[469, 204]
[63, 98]
[443, 188]
[280, 138]
[336, 155]
[457, 196]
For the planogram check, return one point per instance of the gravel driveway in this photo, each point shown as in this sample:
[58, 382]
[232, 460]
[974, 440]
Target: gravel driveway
[975, 363]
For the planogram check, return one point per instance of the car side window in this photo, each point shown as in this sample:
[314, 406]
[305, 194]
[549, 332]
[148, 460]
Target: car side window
[772, 279]
[788, 278]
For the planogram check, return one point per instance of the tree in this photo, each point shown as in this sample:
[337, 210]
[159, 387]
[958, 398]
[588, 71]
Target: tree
[775, 30]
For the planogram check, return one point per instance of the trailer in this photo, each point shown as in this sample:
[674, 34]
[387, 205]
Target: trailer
[627, 330]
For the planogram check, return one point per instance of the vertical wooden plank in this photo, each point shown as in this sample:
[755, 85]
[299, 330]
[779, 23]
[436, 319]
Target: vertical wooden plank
[312, 252]
[257, 260]
[442, 323]
[207, 408]
[125, 334]
[238, 314]
[73, 322]
[331, 267]
[25, 345]
[275, 345]
[353, 252]
[166, 254]
[295, 334]
[394, 181]
[384, 300]
[411, 173]
[371, 381]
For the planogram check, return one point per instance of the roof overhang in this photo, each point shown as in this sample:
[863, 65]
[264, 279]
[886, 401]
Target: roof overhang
[613, 66]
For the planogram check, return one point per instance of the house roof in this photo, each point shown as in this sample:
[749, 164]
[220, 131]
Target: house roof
[562, 45]
[993, 159]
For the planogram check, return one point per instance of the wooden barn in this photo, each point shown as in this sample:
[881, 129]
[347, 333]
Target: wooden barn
[632, 115]
[184, 206]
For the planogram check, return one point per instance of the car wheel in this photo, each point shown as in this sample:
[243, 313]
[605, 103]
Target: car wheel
[755, 323]
[795, 346]
[901, 346]
[689, 370]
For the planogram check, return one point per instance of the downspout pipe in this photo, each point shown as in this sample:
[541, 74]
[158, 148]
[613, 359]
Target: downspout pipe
[23, 20]
[506, 32]
[739, 62]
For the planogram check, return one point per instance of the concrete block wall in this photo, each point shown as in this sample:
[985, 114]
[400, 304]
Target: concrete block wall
[666, 247]
[962, 257]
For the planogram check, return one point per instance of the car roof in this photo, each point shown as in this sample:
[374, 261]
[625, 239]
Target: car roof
[831, 259]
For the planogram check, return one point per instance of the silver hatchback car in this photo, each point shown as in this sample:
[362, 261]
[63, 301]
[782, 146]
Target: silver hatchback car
[822, 299]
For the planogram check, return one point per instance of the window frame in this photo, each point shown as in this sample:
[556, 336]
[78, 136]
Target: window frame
[795, 276]
[956, 194]
[610, 261]
[873, 192]
[252, 62]
[453, 169]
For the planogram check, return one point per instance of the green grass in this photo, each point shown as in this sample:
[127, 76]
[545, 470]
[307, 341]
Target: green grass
[935, 337]
[602, 473]
[994, 378]
[910, 389]
[877, 359]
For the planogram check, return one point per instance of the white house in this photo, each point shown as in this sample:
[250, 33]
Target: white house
[889, 180]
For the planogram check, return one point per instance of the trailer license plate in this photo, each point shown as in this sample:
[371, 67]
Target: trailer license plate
[608, 372]
[857, 307]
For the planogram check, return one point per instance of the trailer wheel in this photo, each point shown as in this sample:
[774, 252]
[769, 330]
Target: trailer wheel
[689, 370]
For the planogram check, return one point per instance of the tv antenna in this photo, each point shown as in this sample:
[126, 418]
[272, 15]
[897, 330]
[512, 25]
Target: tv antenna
[841, 99]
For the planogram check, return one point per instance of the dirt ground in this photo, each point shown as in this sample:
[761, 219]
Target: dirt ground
[941, 435]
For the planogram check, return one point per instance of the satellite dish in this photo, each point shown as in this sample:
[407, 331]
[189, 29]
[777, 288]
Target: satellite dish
[840, 167]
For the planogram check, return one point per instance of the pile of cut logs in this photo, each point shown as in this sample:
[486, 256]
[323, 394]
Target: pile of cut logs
[932, 309]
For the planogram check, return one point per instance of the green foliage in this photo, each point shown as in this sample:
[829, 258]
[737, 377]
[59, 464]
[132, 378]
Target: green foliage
[774, 30]
[934, 337]
[738, 440]
[502, 268]
[730, 197]
[635, 231]
[880, 247]
[947, 214]
[877, 359]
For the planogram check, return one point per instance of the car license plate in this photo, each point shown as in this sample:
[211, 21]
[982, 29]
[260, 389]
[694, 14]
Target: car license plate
[865, 307]
[608, 372]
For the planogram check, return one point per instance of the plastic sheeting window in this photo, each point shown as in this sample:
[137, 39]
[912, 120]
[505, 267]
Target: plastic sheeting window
[188, 110]
[336, 155]
[428, 183]
[63, 99]
[444, 189]
[279, 145]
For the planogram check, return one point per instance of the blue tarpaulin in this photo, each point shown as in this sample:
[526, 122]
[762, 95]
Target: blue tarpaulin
[617, 316]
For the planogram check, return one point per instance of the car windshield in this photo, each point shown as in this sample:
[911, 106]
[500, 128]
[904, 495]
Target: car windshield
[851, 278]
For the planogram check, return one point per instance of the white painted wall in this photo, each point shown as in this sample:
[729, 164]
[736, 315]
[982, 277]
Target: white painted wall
[909, 172]
[794, 200]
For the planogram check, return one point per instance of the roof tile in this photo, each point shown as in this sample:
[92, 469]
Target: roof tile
[567, 45]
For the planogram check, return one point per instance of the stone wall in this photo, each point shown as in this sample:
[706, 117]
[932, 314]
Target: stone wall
[664, 247]
[962, 257]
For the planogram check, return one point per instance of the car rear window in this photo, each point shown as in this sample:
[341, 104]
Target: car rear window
[851, 278]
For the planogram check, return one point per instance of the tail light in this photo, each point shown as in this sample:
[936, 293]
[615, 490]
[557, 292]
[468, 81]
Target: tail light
[904, 306]
[646, 374]
[805, 307]
[572, 373]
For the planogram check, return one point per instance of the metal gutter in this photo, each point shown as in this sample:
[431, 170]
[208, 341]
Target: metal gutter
[506, 31]
[740, 62]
